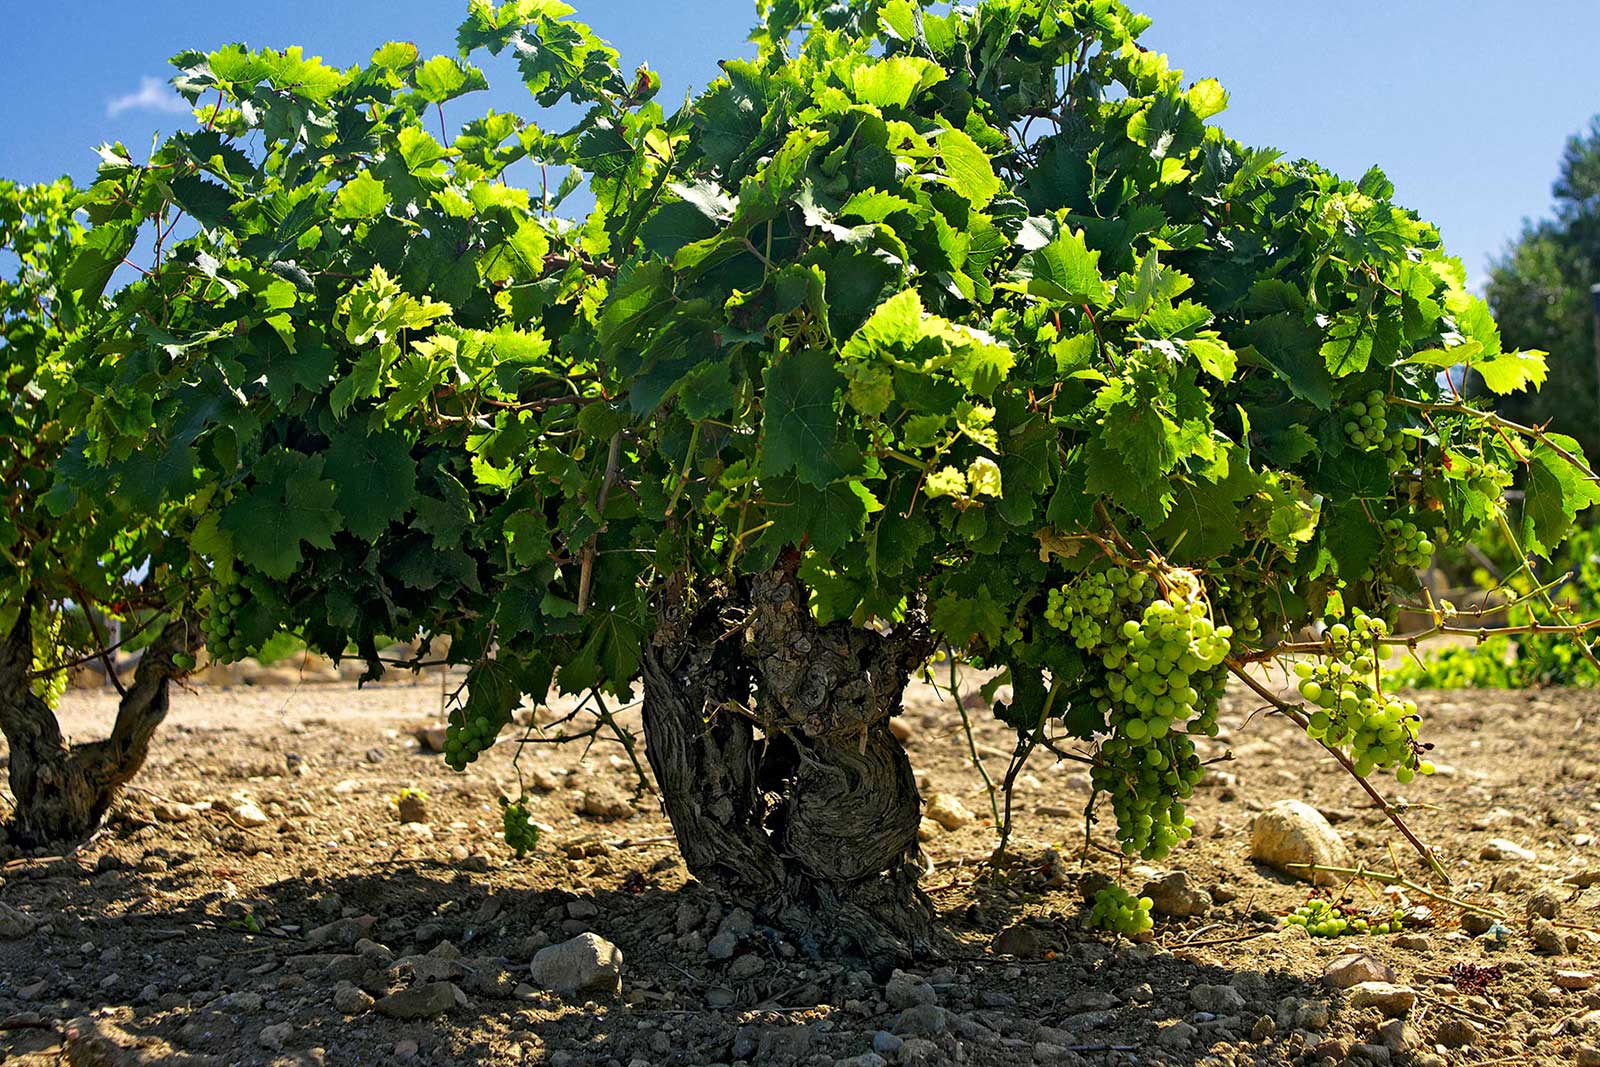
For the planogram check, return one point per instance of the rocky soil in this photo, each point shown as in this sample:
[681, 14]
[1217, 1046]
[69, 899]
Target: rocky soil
[258, 900]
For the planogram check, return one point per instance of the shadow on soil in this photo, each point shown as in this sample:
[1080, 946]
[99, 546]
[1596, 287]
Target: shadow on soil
[197, 978]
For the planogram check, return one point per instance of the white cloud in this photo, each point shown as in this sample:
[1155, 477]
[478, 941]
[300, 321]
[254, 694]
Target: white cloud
[153, 95]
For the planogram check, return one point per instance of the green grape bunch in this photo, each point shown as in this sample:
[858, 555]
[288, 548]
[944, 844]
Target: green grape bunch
[468, 736]
[224, 642]
[1411, 546]
[1250, 611]
[1323, 919]
[522, 836]
[1368, 427]
[47, 627]
[1379, 731]
[1162, 672]
[1117, 910]
[1086, 607]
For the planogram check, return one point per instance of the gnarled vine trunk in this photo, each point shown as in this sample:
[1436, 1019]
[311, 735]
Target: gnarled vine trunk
[799, 804]
[62, 790]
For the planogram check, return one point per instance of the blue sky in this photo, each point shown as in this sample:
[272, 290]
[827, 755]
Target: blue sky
[1465, 104]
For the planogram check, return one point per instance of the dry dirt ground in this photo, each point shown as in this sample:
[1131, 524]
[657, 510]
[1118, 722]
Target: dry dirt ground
[187, 934]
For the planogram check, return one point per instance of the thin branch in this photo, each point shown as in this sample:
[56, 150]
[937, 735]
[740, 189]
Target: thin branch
[1499, 423]
[99, 653]
[1413, 638]
[586, 569]
[1294, 715]
[972, 745]
[1402, 881]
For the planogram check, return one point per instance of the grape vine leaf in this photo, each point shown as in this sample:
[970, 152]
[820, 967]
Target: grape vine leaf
[609, 657]
[376, 479]
[891, 82]
[289, 504]
[1284, 343]
[1064, 270]
[1556, 492]
[362, 197]
[1348, 347]
[800, 420]
[968, 168]
[960, 617]
[442, 78]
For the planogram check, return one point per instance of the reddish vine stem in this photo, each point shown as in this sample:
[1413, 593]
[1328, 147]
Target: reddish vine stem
[1293, 715]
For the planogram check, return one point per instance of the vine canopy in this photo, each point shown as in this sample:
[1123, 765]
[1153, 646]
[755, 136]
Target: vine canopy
[940, 310]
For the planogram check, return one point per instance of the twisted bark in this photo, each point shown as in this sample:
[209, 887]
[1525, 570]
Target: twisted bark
[800, 804]
[63, 790]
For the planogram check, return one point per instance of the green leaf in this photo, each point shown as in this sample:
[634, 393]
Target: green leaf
[376, 479]
[100, 253]
[1063, 270]
[422, 154]
[1352, 539]
[442, 78]
[1348, 347]
[609, 656]
[289, 504]
[1206, 519]
[961, 617]
[707, 391]
[1214, 356]
[800, 419]
[1284, 343]
[891, 82]
[208, 202]
[968, 168]
[1207, 98]
[396, 55]
[362, 197]
[1512, 372]
[1293, 513]
[1556, 492]
[826, 520]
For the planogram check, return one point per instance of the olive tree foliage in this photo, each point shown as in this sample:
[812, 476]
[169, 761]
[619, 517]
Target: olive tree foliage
[1540, 293]
[916, 329]
[71, 558]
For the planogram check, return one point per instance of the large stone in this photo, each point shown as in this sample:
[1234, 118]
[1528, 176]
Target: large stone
[422, 1001]
[1216, 999]
[1455, 1033]
[924, 1019]
[350, 1000]
[249, 815]
[1292, 832]
[344, 932]
[586, 964]
[1393, 1000]
[1178, 1035]
[1023, 942]
[15, 924]
[275, 1036]
[1171, 894]
[947, 810]
[1353, 968]
[907, 991]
